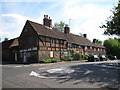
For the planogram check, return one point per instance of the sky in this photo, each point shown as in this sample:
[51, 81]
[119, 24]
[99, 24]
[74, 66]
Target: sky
[83, 16]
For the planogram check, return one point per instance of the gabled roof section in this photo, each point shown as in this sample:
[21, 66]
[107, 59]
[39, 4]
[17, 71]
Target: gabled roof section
[70, 38]
[10, 43]
[45, 31]
[15, 43]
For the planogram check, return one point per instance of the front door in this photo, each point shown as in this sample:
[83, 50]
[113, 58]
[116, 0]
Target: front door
[15, 56]
[24, 57]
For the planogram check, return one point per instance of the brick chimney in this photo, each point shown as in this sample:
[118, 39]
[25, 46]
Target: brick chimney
[47, 21]
[94, 40]
[66, 29]
[85, 35]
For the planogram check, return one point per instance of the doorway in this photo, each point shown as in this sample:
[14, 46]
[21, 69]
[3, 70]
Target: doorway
[24, 57]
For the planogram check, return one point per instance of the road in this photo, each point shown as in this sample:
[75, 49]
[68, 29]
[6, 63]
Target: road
[78, 74]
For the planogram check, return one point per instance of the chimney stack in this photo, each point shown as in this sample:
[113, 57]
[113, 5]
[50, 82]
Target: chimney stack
[85, 35]
[66, 29]
[47, 21]
[94, 40]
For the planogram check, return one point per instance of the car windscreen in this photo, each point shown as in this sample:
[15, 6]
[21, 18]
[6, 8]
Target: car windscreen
[103, 56]
[95, 56]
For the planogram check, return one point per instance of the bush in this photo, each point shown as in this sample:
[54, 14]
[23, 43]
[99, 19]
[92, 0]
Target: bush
[76, 56]
[42, 61]
[86, 56]
[67, 59]
[53, 61]
[48, 61]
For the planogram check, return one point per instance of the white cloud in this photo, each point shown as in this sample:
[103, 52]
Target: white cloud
[87, 18]
[12, 24]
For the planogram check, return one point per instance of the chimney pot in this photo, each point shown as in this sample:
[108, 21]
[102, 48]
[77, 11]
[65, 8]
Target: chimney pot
[66, 29]
[94, 40]
[85, 35]
[47, 21]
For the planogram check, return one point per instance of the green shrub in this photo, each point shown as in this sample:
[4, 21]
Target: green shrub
[54, 60]
[48, 60]
[42, 61]
[86, 56]
[76, 56]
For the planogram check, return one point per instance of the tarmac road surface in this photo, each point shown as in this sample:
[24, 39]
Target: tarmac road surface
[78, 74]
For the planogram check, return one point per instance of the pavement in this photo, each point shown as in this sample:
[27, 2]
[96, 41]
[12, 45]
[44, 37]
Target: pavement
[75, 74]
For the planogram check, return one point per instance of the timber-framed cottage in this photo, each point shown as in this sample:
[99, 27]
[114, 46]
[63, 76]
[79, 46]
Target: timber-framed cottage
[39, 41]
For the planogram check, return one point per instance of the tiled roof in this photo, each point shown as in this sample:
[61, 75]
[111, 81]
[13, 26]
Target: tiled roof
[71, 38]
[9, 43]
[15, 43]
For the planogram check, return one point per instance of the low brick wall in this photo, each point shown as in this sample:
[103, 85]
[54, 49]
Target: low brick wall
[46, 55]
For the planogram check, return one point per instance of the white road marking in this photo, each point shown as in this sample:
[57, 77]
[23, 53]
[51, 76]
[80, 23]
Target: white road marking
[87, 72]
[38, 75]
[59, 70]
[18, 66]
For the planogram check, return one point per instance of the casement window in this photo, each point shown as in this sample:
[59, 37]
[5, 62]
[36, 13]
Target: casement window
[63, 42]
[94, 49]
[28, 54]
[69, 45]
[80, 46]
[85, 47]
[90, 47]
[57, 41]
[52, 41]
[98, 49]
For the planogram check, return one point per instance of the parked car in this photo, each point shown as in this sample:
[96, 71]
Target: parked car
[112, 57]
[103, 58]
[93, 58]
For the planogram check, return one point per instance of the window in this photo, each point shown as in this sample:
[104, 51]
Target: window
[98, 49]
[69, 45]
[51, 41]
[94, 49]
[51, 53]
[80, 47]
[63, 42]
[85, 47]
[57, 41]
[28, 54]
[26, 30]
[35, 48]
[90, 47]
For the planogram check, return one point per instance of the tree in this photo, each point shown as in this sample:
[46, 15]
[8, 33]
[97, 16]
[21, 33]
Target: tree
[98, 41]
[5, 39]
[112, 25]
[59, 26]
[112, 47]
